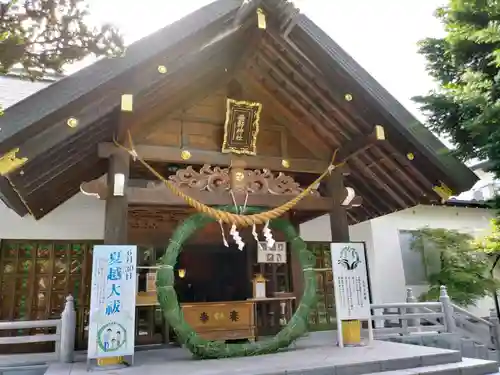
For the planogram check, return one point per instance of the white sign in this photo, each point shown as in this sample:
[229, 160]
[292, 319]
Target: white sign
[112, 301]
[350, 281]
[275, 254]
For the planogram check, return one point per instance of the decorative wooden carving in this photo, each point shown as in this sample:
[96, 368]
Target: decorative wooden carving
[217, 180]
[97, 188]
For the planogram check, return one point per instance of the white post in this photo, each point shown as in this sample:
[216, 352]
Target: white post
[449, 319]
[68, 328]
[495, 331]
[410, 298]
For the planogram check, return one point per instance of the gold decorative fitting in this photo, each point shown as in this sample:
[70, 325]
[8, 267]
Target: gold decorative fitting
[162, 69]
[127, 102]
[72, 122]
[443, 191]
[410, 156]
[185, 155]
[239, 176]
[241, 127]
[10, 162]
[285, 163]
[261, 19]
[348, 97]
[379, 132]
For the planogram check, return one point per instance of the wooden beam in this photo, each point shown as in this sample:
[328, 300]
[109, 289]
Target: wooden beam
[360, 143]
[116, 211]
[173, 155]
[164, 196]
[339, 224]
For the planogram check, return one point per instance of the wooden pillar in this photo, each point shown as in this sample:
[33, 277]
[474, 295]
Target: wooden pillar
[339, 226]
[116, 214]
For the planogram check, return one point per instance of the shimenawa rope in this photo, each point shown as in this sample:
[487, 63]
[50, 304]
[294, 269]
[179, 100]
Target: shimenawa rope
[227, 217]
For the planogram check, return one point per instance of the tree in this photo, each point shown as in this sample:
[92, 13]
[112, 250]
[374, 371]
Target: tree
[44, 35]
[454, 259]
[465, 63]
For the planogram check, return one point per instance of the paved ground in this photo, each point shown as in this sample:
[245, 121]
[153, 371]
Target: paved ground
[317, 351]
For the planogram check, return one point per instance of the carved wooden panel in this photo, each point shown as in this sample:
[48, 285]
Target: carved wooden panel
[217, 180]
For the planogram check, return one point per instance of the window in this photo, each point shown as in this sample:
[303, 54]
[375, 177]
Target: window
[413, 261]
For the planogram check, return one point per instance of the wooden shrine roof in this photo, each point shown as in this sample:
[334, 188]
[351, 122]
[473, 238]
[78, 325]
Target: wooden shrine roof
[293, 61]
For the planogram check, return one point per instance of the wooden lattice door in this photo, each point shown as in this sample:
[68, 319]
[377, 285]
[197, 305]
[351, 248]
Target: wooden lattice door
[323, 315]
[36, 277]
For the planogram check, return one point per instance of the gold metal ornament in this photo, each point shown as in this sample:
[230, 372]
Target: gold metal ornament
[285, 163]
[127, 102]
[185, 155]
[261, 19]
[72, 122]
[348, 97]
[162, 69]
[410, 156]
[443, 191]
[10, 162]
[379, 132]
[239, 176]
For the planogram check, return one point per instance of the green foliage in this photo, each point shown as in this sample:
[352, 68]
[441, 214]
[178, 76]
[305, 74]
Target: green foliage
[466, 64]
[455, 260]
[44, 35]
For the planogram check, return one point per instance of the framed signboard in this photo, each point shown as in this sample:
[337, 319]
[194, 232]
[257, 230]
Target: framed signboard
[351, 286]
[112, 301]
[275, 254]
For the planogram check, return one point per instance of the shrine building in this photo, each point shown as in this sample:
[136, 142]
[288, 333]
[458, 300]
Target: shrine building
[234, 106]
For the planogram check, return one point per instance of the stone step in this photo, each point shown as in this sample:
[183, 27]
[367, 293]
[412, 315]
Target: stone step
[37, 369]
[468, 366]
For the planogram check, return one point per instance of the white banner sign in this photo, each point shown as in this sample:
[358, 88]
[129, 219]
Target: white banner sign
[350, 281]
[112, 301]
[275, 254]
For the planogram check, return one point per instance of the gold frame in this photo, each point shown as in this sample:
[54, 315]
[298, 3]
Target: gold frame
[252, 150]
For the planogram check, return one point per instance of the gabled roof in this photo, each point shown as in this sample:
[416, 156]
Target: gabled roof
[200, 50]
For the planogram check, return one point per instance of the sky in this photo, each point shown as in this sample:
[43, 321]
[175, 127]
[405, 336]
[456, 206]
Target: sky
[380, 35]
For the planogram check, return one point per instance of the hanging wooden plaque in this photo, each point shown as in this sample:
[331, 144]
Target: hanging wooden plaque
[241, 127]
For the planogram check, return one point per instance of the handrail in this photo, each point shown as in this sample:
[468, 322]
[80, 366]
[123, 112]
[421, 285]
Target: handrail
[405, 305]
[64, 338]
[461, 310]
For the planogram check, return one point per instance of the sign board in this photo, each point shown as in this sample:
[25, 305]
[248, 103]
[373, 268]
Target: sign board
[276, 254]
[241, 127]
[112, 301]
[350, 278]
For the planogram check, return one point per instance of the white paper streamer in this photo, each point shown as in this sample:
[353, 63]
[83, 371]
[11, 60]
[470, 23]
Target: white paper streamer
[256, 236]
[236, 237]
[224, 241]
[268, 235]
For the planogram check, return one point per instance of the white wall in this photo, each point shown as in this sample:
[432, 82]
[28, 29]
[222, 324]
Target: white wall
[79, 218]
[381, 236]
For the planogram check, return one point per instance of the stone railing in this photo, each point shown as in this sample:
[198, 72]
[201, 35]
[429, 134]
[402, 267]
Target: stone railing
[412, 318]
[64, 337]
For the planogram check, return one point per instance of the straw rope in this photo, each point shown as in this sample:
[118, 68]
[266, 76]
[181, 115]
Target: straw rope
[228, 217]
